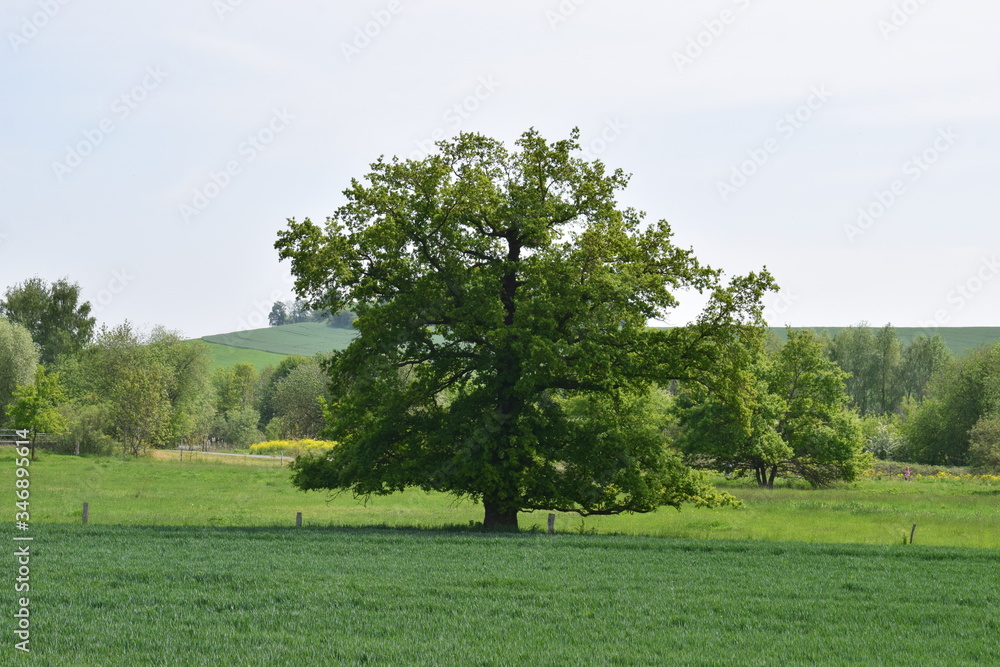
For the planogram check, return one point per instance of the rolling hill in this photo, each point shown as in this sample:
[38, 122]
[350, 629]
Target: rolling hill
[268, 346]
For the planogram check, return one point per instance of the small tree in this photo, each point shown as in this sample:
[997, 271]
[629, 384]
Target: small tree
[298, 401]
[58, 322]
[278, 315]
[799, 423]
[18, 359]
[35, 406]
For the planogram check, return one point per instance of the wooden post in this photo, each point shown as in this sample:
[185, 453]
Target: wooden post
[298, 519]
[912, 530]
[86, 512]
[552, 524]
[182, 454]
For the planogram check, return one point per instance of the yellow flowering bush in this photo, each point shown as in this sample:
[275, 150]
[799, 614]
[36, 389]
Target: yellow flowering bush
[292, 448]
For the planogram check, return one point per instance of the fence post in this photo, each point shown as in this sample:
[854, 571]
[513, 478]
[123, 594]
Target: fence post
[552, 524]
[298, 519]
[86, 512]
[912, 530]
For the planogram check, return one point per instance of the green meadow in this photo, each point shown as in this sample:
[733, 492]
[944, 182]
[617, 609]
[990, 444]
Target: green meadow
[206, 490]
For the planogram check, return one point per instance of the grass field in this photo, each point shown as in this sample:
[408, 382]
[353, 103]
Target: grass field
[227, 491]
[111, 595]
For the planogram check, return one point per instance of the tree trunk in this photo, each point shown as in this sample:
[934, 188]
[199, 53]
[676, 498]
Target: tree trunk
[770, 479]
[498, 518]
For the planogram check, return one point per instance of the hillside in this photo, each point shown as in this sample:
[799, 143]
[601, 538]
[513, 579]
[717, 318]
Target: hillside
[263, 347]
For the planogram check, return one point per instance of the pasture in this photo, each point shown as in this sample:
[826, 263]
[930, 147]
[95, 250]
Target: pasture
[228, 491]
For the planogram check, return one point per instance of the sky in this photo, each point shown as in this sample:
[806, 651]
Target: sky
[152, 151]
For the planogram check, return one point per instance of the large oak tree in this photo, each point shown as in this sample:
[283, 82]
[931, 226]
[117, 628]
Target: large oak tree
[492, 287]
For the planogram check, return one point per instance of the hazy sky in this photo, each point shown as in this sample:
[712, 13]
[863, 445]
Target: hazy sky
[151, 151]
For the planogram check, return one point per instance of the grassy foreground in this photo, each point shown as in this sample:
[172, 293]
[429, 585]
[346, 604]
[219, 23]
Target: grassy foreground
[116, 595]
[226, 491]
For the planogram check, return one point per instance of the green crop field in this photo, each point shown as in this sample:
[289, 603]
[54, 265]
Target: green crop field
[117, 595]
[198, 562]
[226, 355]
[305, 338]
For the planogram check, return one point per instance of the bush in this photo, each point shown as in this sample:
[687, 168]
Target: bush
[882, 437]
[86, 425]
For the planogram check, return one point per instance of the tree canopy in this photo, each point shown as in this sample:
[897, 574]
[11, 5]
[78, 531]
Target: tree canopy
[799, 425]
[59, 324]
[491, 286]
[18, 358]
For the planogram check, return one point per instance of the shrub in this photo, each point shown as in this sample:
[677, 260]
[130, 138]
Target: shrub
[85, 425]
[882, 437]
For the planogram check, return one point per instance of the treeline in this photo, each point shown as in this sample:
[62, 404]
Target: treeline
[293, 312]
[918, 402]
[118, 388]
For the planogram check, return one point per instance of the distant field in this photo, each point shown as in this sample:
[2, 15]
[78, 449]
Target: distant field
[262, 347]
[225, 355]
[958, 339]
[305, 338]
